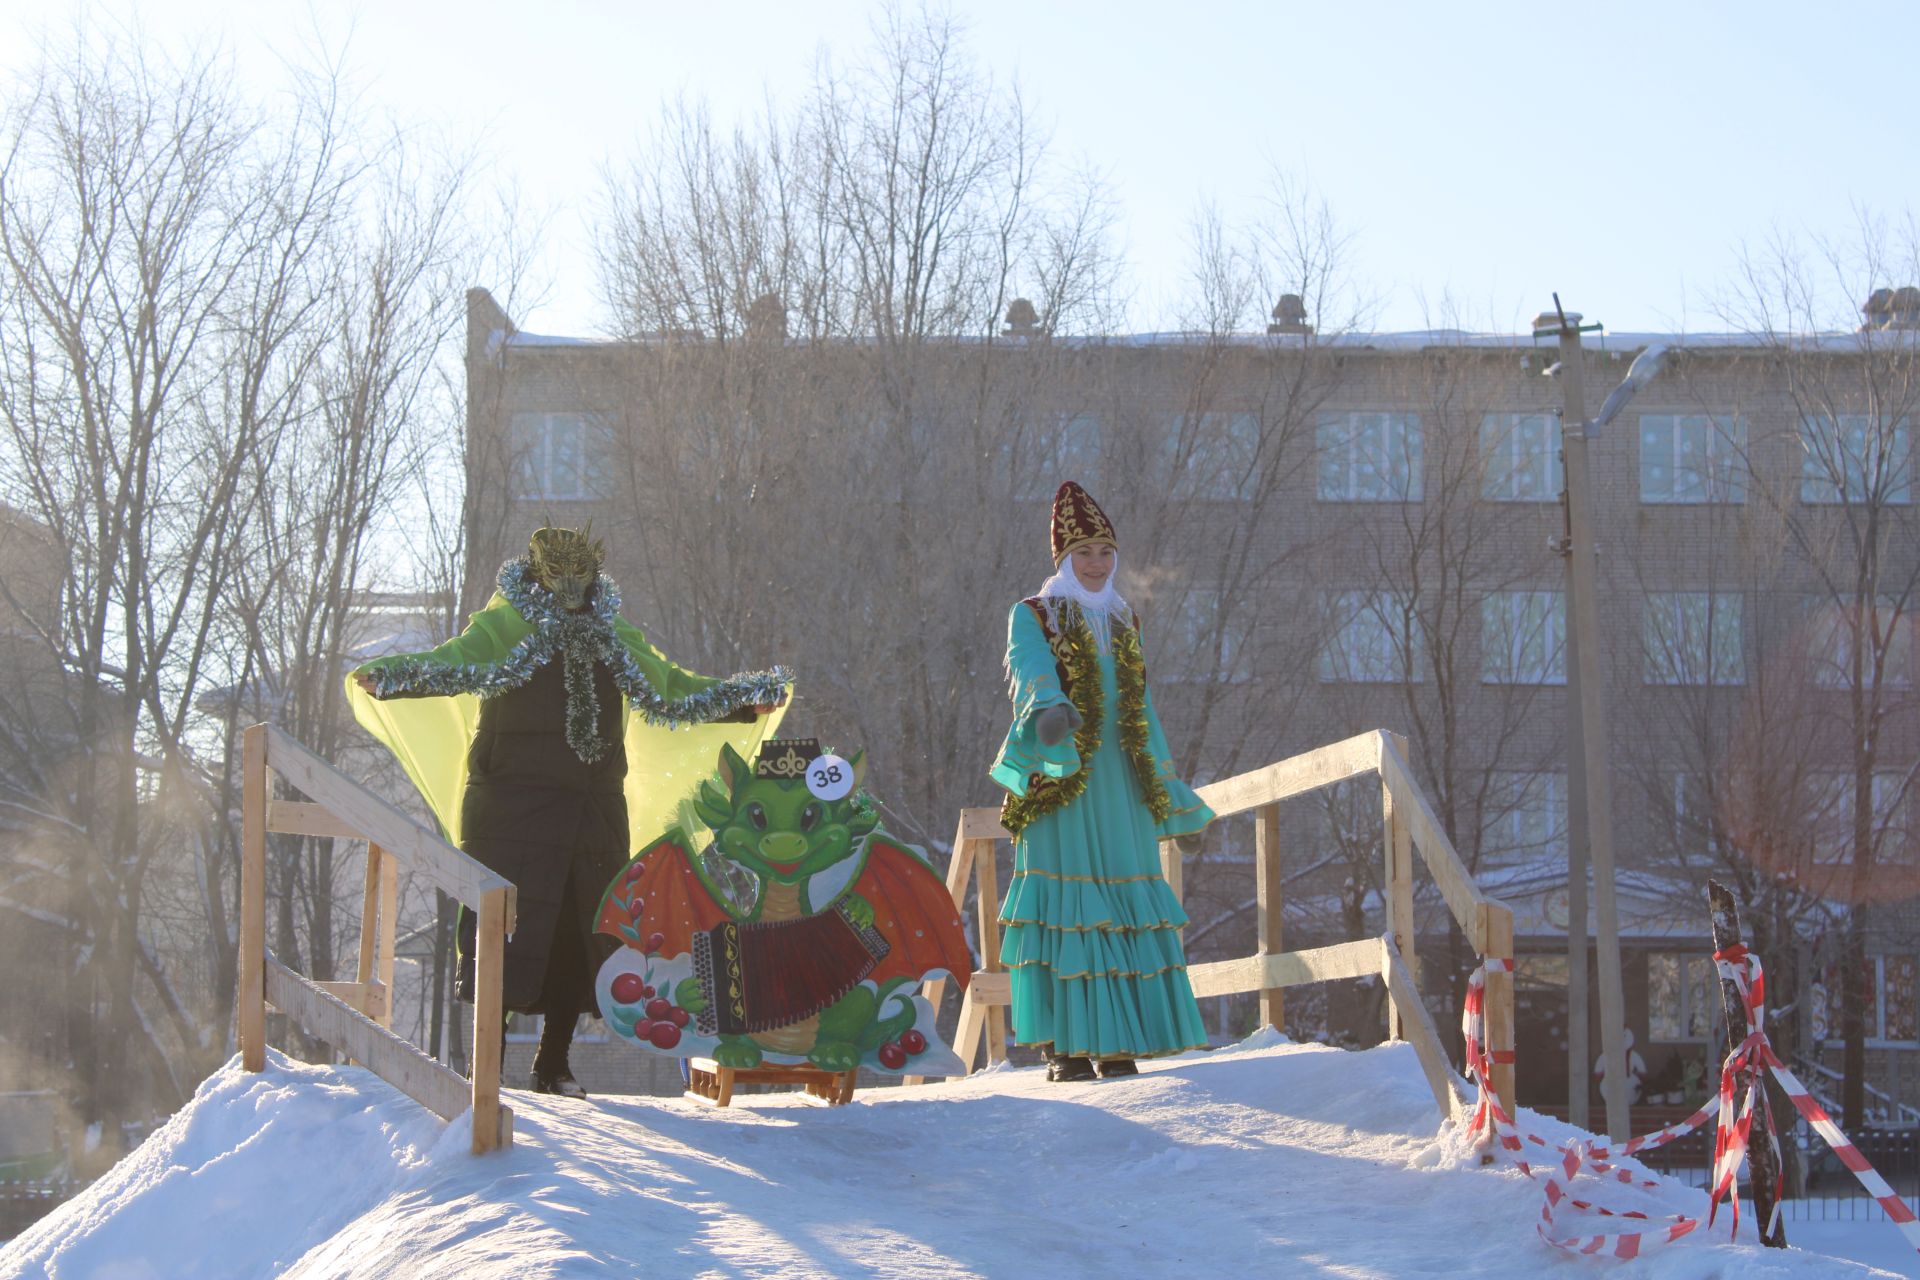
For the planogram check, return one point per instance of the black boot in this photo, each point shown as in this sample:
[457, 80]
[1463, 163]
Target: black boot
[1067, 1068]
[1111, 1068]
[551, 1073]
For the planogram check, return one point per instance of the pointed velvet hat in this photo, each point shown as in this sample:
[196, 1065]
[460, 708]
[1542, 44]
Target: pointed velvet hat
[1078, 520]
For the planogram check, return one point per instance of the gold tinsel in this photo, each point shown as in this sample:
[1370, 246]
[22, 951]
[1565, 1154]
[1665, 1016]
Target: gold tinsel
[1082, 662]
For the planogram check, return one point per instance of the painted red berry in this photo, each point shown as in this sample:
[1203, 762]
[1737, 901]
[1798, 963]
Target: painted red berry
[679, 1017]
[655, 941]
[664, 1035]
[647, 991]
[629, 987]
[643, 1028]
[912, 1041]
[892, 1056]
[658, 1007]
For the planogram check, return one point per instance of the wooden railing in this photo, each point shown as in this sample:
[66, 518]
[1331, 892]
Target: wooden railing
[1408, 826]
[356, 1017]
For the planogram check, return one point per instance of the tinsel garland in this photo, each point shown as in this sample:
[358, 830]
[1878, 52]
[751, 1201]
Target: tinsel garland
[580, 640]
[1081, 659]
[1130, 671]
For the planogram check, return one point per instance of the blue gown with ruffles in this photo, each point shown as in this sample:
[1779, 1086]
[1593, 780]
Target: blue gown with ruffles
[1091, 941]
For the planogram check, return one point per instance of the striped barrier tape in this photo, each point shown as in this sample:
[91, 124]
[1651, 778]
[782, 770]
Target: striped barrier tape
[1736, 1107]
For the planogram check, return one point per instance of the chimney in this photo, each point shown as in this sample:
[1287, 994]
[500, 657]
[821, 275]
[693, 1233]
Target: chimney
[1892, 309]
[767, 317]
[1290, 315]
[1022, 320]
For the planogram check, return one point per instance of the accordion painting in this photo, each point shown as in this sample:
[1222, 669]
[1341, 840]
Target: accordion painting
[779, 923]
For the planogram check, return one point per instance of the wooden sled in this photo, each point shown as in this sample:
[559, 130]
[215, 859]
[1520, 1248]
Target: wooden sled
[708, 1080]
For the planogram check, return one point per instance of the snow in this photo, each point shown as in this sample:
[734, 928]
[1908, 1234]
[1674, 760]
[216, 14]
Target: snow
[1271, 1158]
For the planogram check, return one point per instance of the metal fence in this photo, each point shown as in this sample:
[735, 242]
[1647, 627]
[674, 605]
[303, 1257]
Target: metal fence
[1831, 1192]
[25, 1202]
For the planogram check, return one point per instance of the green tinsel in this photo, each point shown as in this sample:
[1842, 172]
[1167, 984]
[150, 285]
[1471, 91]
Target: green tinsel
[580, 640]
[1078, 652]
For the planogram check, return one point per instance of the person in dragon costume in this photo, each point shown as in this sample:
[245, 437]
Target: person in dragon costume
[1091, 941]
[778, 921]
[539, 736]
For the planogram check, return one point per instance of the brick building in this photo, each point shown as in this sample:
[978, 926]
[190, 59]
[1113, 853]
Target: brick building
[1323, 534]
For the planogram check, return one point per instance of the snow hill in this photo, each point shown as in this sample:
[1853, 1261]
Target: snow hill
[1267, 1159]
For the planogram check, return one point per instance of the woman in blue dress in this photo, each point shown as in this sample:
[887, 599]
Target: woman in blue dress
[1091, 937]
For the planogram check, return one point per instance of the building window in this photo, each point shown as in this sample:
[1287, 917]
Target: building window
[1693, 637]
[1692, 457]
[1212, 455]
[1891, 1015]
[1830, 813]
[1695, 831]
[1855, 458]
[1523, 637]
[1887, 633]
[1372, 637]
[1195, 642]
[1683, 997]
[1051, 450]
[1525, 816]
[1520, 453]
[555, 456]
[1369, 457]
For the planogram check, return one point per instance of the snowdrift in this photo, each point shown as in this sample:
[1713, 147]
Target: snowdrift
[1268, 1159]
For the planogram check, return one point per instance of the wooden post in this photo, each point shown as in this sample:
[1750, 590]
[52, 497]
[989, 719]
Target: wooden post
[1496, 925]
[1396, 841]
[959, 871]
[987, 871]
[389, 924]
[251, 1016]
[1762, 1169]
[489, 951]
[1270, 899]
[369, 927]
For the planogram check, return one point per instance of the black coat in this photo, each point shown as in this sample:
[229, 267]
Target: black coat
[553, 824]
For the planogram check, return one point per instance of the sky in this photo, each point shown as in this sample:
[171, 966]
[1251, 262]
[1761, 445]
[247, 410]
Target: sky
[1483, 155]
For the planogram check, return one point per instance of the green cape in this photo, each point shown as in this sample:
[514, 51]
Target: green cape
[671, 745]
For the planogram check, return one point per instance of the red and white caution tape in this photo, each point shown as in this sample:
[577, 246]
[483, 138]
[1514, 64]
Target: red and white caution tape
[1747, 1065]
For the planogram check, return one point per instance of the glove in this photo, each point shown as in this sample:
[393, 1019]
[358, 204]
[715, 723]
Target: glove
[1054, 724]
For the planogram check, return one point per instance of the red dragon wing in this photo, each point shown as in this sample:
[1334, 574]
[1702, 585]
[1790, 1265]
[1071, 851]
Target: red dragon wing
[659, 892]
[915, 914]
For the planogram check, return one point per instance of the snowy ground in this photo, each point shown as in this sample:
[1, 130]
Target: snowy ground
[1271, 1159]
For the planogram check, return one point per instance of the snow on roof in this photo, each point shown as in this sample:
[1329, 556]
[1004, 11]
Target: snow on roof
[1267, 1158]
[1836, 343]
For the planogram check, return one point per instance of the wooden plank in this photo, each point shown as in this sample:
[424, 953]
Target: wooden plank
[1448, 1089]
[1295, 775]
[304, 818]
[370, 998]
[1269, 903]
[489, 951]
[450, 870]
[991, 990]
[1462, 895]
[1498, 928]
[966, 1032]
[434, 1086]
[982, 824]
[369, 916]
[1172, 870]
[959, 872]
[389, 924]
[1396, 842]
[250, 1017]
[1288, 969]
[987, 872]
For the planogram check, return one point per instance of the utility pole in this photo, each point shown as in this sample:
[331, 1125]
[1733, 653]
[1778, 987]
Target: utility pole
[1586, 687]
[1579, 917]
